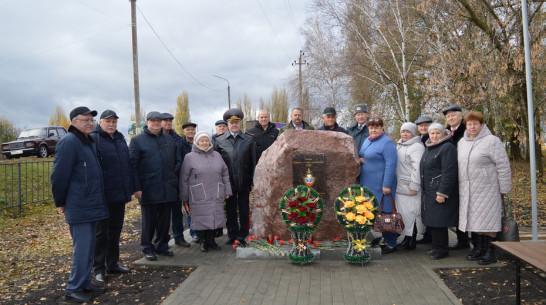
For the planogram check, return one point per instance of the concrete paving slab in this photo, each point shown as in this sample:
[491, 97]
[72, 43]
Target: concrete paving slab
[403, 277]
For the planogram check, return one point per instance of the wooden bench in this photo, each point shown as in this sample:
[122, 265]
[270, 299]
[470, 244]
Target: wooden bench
[533, 253]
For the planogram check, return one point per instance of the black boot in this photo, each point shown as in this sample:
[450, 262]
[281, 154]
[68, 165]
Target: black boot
[405, 241]
[412, 243]
[211, 243]
[202, 241]
[427, 239]
[489, 257]
[478, 250]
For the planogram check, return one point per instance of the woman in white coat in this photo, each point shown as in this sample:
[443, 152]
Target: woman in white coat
[484, 177]
[408, 190]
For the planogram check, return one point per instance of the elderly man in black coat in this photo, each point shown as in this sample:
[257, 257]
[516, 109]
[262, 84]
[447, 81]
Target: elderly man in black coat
[78, 192]
[264, 132]
[176, 208]
[155, 160]
[454, 119]
[118, 188]
[239, 153]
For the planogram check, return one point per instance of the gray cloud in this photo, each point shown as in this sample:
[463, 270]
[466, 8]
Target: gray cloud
[75, 53]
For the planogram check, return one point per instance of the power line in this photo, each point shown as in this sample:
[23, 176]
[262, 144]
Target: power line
[172, 55]
[103, 13]
[293, 19]
[272, 29]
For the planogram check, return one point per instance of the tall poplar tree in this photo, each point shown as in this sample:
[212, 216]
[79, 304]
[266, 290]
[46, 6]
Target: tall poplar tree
[182, 114]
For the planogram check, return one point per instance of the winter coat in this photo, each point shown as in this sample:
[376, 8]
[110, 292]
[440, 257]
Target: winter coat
[186, 147]
[439, 176]
[76, 179]
[204, 181]
[306, 126]
[408, 178]
[459, 133]
[155, 160]
[484, 174]
[239, 154]
[336, 128]
[114, 161]
[359, 135]
[379, 167]
[424, 139]
[263, 138]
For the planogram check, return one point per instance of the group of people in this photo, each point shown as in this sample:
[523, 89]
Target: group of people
[95, 174]
[441, 177]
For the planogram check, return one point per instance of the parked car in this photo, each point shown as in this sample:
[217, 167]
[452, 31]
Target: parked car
[39, 142]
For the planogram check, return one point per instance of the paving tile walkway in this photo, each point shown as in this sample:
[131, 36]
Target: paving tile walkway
[399, 278]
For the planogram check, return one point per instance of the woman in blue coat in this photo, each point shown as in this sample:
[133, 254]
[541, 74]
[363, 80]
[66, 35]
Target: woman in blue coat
[378, 157]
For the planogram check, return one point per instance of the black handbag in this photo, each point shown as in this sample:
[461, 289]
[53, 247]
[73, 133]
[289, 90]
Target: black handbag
[509, 230]
[388, 223]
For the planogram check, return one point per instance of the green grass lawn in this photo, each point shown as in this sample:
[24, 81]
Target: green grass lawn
[24, 180]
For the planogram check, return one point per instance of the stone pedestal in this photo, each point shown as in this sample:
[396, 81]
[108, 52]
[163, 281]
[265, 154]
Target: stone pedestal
[273, 177]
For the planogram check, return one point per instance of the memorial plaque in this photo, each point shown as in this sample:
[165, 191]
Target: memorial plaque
[308, 166]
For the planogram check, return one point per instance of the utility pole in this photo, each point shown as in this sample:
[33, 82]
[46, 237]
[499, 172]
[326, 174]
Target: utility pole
[135, 67]
[300, 63]
[228, 90]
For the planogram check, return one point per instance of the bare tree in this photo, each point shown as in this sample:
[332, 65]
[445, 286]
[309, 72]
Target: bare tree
[249, 110]
[279, 105]
[325, 78]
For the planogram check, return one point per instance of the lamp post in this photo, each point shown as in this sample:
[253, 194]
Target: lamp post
[228, 93]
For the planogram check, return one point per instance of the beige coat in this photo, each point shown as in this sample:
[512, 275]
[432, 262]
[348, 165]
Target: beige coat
[409, 179]
[484, 173]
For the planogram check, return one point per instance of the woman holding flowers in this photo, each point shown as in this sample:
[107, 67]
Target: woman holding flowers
[440, 200]
[378, 160]
[408, 190]
[484, 176]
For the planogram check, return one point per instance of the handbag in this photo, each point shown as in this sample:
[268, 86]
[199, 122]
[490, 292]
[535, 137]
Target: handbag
[388, 223]
[509, 230]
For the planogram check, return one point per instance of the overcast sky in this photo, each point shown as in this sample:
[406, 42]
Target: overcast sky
[79, 52]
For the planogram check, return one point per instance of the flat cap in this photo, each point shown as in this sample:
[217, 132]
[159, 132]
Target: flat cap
[153, 115]
[233, 114]
[220, 122]
[188, 124]
[360, 108]
[329, 110]
[423, 119]
[108, 114]
[452, 108]
[81, 110]
[167, 116]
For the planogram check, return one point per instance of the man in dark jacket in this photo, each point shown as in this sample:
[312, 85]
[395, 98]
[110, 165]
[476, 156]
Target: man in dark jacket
[264, 132]
[118, 188]
[329, 117]
[221, 128]
[423, 122]
[239, 153]
[188, 129]
[454, 118]
[359, 130]
[78, 192]
[155, 160]
[176, 208]
[296, 122]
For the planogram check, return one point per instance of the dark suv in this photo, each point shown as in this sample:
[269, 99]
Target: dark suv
[39, 142]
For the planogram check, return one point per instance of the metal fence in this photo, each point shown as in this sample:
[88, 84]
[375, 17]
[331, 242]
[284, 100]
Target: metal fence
[24, 183]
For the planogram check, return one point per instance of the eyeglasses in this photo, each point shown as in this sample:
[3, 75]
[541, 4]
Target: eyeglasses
[86, 120]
